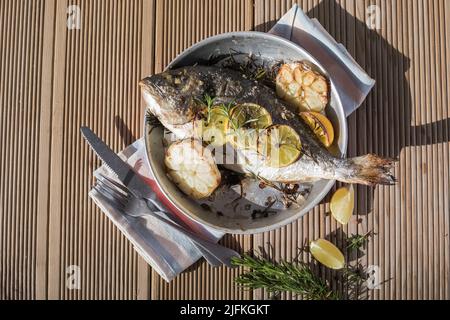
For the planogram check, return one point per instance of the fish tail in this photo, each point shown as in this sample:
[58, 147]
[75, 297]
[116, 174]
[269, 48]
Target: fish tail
[370, 170]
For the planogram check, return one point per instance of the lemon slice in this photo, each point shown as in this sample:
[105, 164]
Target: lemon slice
[213, 128]
[302, 87]
[246, 121]
[280, 146]
[342, 204]
[320, 125]
[250, 116]
[192, 168]
[327, 254]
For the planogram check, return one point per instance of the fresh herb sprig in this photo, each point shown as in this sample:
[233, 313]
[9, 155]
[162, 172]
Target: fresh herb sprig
[298, 278]
[249, 66]
[208, 101]
[282, 276]
[225, 109]
[354, 279]
[357, 241]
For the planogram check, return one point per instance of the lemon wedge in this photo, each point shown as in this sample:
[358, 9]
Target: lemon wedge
[320, 125]
[342, 204]
[279, 145]
[192, 168]
[327, 254]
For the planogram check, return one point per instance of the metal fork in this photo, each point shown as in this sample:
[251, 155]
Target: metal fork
[127, 203]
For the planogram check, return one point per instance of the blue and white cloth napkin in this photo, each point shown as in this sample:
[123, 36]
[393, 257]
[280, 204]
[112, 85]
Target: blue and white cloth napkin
[169, 252]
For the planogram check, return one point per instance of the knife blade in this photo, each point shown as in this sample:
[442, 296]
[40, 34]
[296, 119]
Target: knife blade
[136, 185]
[119, 167]
[127, 176]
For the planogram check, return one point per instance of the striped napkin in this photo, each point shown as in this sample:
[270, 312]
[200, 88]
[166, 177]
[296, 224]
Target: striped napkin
[169, 252]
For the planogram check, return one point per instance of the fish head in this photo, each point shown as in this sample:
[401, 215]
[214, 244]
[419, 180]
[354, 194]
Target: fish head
[172, 95]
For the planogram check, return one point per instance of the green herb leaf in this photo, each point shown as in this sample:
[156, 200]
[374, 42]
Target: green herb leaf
[282, 276]
[357, 241]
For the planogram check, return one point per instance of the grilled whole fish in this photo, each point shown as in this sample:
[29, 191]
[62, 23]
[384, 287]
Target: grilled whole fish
[172, 97]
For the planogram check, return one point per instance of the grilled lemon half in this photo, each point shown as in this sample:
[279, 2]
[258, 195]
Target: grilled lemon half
[320, 125]
[279, 145]
[246, 121]
[212, 129]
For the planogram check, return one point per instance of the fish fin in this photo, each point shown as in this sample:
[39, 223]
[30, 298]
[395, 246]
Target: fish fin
[371, 170]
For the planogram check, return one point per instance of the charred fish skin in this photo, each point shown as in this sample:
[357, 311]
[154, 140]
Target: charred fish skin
[179, 90]
[172, 96]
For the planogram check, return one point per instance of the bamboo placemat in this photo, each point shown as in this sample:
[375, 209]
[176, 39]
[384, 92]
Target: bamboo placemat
[55, 79]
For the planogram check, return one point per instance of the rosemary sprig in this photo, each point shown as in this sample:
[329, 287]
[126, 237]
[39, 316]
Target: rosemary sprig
[209, 104]
[354, 279]
[249, 66]
[260, 73]
[207, 101]
[282, 276]
[354, 276]
[357, 241]
[225, 109]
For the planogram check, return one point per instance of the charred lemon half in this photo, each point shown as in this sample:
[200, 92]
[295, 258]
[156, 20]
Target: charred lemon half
[320, 125]
[245, 123]
[302, 87]
[279, 146]
[250, 116]
[212, 129]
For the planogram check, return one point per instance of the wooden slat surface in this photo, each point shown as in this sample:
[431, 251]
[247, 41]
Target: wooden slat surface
[53, 80]
[20, 88]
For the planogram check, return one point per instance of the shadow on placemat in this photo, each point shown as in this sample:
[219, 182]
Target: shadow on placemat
[387, 101]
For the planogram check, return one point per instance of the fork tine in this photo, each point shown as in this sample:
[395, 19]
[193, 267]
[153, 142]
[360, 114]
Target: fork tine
[113, 182]
[118, 198]
[151, 202]
[112, 192]
[107, 195]
[108, 184]
[123, 201]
